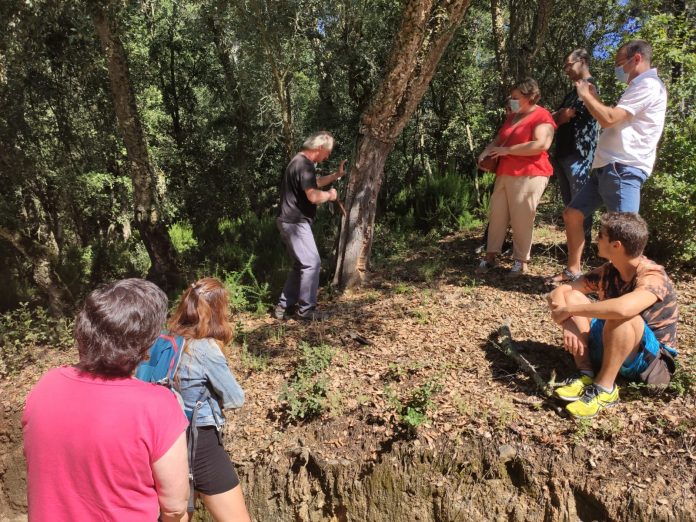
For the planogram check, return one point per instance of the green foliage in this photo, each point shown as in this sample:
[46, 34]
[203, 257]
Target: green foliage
[413, 412]
[246, 293]
[254, 361]
[182, 237]
[306, 394]
[24, 330]
[443, 202]
[219, 127]
[669, 196]
[684, 379]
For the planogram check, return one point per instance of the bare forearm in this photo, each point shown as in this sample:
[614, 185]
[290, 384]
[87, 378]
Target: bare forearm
[606, 116]
[531, 148]
[602, 310]
[327, 180]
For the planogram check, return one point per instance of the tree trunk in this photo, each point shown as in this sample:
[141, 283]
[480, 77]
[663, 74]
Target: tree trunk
[148, 218]
[282, 76]
[426, 29]
[43, 258]
[499, 40]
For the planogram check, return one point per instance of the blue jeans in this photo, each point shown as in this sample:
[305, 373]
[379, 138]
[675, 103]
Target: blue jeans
[573, 173]
[631, 367]
[615, 185]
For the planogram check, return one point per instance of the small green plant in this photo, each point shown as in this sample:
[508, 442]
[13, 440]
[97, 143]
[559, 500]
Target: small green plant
[415, 409]
[372, 296]
[23, 330]
[402, 288]
[684, 380]
[506, 413]
[254, 361]
[395, 372]
[431, 270]
[245, 291]
[583, 428]
[609, 428]
[306, 393]
[421, 315]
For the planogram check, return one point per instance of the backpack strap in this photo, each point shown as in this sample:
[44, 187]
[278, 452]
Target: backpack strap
[178, 345]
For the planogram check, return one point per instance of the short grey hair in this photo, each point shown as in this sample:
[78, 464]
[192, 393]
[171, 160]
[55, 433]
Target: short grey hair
[319, 140]
[641, 47]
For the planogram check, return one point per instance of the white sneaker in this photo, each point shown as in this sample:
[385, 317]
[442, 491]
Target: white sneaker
[484, 266]
[517, 268]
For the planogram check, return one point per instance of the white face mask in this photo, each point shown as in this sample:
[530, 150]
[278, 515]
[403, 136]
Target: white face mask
[620, 74]
[515, 105]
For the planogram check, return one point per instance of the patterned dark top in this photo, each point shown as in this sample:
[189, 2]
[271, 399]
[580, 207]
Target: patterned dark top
[579, 135]
[662, 316]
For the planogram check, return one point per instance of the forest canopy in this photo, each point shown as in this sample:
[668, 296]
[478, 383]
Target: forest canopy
[148, 138]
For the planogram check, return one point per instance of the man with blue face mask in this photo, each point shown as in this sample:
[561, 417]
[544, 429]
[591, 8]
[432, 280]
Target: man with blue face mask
[626, 148]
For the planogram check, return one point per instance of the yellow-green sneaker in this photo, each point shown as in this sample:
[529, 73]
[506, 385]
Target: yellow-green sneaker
[573, 387]
[593, 400]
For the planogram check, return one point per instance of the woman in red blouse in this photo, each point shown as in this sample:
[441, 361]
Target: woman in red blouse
[522, 173]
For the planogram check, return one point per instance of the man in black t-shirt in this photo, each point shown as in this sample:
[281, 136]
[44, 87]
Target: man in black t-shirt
[300, 193]
[577, 134]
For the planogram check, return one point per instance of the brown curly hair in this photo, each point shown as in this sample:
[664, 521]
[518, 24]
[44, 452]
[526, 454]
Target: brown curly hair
[117, 325]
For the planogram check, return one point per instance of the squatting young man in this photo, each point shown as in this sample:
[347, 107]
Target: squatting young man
[623, 331]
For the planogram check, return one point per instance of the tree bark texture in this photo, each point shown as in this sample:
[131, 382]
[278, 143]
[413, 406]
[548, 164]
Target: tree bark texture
[527, 35]
[282, 76]
[499, 40]
[147, 204]
[43, 258]
[426, 29]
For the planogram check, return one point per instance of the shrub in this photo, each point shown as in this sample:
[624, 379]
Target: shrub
[669, 197]
[414, 411]
[306, 394]
[443, 202]
[23, 330]
[245, 291]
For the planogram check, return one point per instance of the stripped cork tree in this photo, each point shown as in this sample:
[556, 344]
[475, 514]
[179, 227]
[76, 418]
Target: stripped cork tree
[426, 28]
[147, 199]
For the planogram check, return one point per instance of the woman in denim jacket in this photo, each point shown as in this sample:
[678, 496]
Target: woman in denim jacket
[207, 386]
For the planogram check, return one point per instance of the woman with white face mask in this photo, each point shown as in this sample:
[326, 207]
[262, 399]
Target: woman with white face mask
[522, 173]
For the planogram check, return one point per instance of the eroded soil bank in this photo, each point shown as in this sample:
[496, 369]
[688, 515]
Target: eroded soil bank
[461, 481]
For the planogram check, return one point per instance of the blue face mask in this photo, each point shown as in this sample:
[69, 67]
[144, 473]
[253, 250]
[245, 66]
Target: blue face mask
[515, 105]
[621, 75]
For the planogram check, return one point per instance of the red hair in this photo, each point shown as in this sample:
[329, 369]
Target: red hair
[202, 312]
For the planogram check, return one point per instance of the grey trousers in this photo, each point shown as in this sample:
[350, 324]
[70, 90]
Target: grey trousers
[303, 280]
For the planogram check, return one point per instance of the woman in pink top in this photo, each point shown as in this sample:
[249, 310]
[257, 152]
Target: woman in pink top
[521, 175]
[99, 444]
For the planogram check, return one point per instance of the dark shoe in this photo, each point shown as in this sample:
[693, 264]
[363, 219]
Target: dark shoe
[564, 277]
[312, 315]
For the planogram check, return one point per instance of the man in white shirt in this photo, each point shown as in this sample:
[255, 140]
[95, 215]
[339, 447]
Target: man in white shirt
[626, 149]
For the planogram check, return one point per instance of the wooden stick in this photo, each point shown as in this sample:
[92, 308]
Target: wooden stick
[340, 206]
[506, 345]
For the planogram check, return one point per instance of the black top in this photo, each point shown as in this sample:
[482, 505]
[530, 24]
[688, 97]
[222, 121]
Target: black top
[300, 175]
[580, 134]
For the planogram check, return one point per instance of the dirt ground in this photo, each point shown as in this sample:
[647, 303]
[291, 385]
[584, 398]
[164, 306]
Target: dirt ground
[421, 328]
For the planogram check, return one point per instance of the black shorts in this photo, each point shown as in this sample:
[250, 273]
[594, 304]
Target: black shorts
[213, 471]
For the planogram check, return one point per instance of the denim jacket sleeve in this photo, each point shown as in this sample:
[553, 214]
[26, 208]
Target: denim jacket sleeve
[221, 379]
